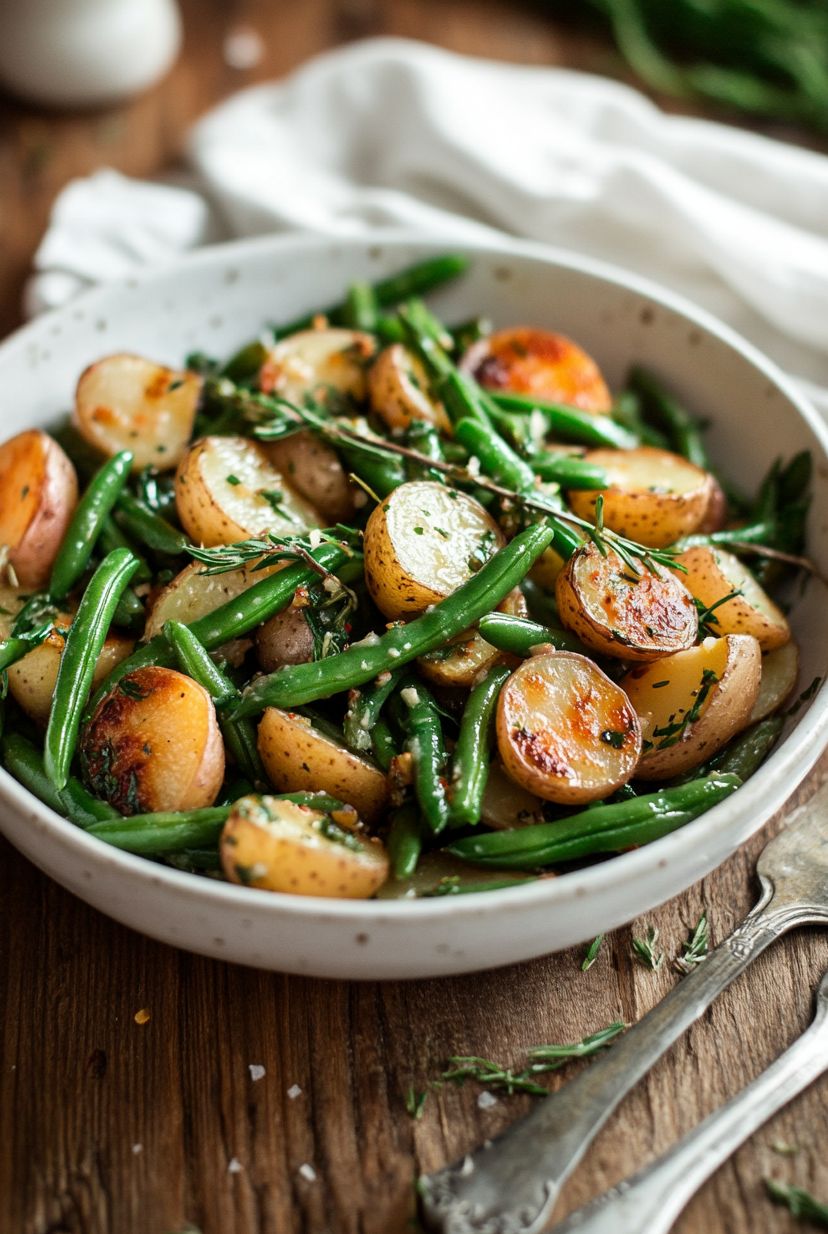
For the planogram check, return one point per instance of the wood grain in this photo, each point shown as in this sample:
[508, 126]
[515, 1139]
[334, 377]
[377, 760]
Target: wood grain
[111, 1127]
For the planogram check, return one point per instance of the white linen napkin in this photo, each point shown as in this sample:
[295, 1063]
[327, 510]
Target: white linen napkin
[389, 132]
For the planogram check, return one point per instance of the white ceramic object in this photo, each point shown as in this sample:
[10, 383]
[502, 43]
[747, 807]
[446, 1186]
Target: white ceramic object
[84, 53]
[218, 298]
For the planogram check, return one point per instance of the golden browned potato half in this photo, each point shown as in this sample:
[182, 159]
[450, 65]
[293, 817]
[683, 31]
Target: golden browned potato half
[32, 679]
[565, 731]
[535, 362]
[226, 490]
[38, 495]
[618, 613]
[280, 846]
[423, 542]
[400, 391]
[463, 661]
[692, 703]
[780, 670]
[154, 743]
[316, 362]
[125, 402]
[713, 573]
[299, 758]
[654, 497]
[313, 469]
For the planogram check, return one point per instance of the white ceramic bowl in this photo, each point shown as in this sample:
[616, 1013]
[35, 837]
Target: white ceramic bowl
[214, 301]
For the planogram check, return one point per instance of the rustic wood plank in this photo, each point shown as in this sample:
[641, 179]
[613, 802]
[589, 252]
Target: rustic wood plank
[110, 1127]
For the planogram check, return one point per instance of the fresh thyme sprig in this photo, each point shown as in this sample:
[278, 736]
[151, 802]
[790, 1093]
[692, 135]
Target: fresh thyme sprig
[629, 550]
[415, 1103]
[707, 612]
[592, 953]
[695, 948]
[262, 552]
[799, 1202]
[644, 950]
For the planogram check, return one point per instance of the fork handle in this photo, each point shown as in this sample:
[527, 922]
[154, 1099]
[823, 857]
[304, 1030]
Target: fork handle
[510, 1186]
[652, 1199]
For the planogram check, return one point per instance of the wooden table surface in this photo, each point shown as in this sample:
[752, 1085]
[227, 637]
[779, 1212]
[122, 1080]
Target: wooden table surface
[112, 1127]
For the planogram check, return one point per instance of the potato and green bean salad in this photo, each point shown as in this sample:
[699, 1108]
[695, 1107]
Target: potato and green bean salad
[384, 607]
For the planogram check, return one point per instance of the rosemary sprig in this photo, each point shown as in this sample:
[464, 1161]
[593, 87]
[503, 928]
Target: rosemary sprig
[707, 612]
[695, 948]
[551, 1057]
[800, 1203]
[670, 734]
[644, 950]
[265, 551]
[415, 1103]
[592, 953]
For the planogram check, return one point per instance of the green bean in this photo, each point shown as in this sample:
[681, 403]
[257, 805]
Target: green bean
[149, 528]
[416, 280]
[295, 684]
[746, 753]
[451, 887]
[15, 647]
[497, 458]
[364, 708]
[130, 612]
[460, 394]
[381, 475]
[425, 439]
[195, 860]
[389, 329]
[383, 744]
[196, 662]
[78, 544]
[157, 490]
[426, 746]
[682, 430]
[25, 762]
[84, 642]
[519, 636]
[230, 793]
[469, 332]
[361, 308]
[244, 364]
[568, 471]
[37, 610]
[235, 618]
[405, 841]
[152, 835]
[541, 603]
[570, 423]
[598, 829]
[112, 537]
[470, 761]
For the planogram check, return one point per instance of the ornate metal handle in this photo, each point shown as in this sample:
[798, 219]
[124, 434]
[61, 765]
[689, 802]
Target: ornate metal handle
[510, 1186]
[654, 1197]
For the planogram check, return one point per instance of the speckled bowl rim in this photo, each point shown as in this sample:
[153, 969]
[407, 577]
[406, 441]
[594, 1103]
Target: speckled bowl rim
[749, 806]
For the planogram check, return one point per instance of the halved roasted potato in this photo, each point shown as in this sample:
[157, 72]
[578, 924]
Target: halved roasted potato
[506, 805]
[193, 593]
[125, 402]
[464, 660]
[423, 542]
[654, 496]
[313, 469]
[316, 362]
[713, 573]
[32, 679]
[618, 613]
[565, 731]
[153, 743]
[400, 391]
[541, 363]
[38, 495]
[715, 515]
[780, 669]
[226, 489]
[277, 845]
[692, 703]
[298, 757]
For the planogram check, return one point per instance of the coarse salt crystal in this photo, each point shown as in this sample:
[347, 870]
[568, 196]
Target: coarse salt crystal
[294, 1091]
[257, 1071]
[473, 465]
[308, 1172]
[393, 653]
[315, 538]
[234, 1166]
[136, 1149]
[486, 1100]
[410, 696]
[537, 424]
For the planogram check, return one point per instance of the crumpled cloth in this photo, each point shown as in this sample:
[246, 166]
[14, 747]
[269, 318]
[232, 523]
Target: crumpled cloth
[390, 133]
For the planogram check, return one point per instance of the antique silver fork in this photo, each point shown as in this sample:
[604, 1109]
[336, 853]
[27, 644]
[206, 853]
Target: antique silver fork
[511, 1184]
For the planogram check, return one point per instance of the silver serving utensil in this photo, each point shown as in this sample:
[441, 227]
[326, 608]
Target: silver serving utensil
[511, 1185]
[652, 1199]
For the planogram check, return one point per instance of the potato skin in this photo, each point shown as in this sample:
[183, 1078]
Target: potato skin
[780, 670]
[298, 758]
[32, 679]
[466, 659]
[153, 743]
[398, 388]
[315, 472]
[279, 846]
[617, 614]
[38, 496]
[126, 402]
[735, 660]
[565, 731]
[712, 573]
[654, 497]
[285, 638]
[550, 366]
[420, 545]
